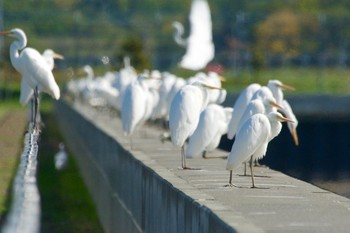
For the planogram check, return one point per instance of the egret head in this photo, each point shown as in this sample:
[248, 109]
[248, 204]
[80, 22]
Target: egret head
[279, 84]
[271, 102]
[61, 146]
[178, 26]
[51, 53]
[276, 116]
[16, 33]
[206, 85]
[19, 35]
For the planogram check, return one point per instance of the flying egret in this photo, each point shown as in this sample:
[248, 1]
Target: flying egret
[213, 123]
[61, 157]
[252, 140]
[292, 126]
[199, 44]
[239, 107]
[185, 111]
[33, 67]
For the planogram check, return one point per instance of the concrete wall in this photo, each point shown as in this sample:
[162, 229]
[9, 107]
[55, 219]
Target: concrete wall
[129, 195]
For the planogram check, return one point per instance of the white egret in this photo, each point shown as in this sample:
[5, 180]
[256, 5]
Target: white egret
[33, 67]
[61, 158]
[138, 103]
[125, 77]
[185, 110]
[239, 107]
[252, 140]
[292, 126]
[261, 102]
[212, 125]
[199, 44]
[49, 56]
[133, 105]
[27, 92]
[167, 82]
[276, 88]
[177, 85]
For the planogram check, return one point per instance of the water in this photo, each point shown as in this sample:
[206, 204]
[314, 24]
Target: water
[322, 158]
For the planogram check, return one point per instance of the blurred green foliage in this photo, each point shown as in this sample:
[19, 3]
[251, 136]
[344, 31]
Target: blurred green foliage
[250, 37]
[84, 31]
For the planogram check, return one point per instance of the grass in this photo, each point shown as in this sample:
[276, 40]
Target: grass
[66, 204]
[307, 80]
[333, 81]
[12, 127]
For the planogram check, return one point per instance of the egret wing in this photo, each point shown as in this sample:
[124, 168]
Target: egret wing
[200, 47]
[40, 74]
[204, 133]
[239, 108]
[26, 92]
[200, 20]
[251, 136]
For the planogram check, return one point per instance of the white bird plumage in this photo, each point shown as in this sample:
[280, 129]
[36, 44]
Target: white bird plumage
[61, 158]
[212, 125]
[199, 45]
[261, 102]
[292, 126]
[31, 64]
[133, 106]
[49, 56]
[252, 140]
[239, 107]
[185, 111]
[276, 88]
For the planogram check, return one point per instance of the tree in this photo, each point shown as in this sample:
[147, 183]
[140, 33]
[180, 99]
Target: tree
[279, 35]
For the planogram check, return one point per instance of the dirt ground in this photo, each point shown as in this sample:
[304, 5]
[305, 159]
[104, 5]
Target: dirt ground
[13, 125]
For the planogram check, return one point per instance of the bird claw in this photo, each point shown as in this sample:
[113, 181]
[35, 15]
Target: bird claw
[256, 187]
[189, 168]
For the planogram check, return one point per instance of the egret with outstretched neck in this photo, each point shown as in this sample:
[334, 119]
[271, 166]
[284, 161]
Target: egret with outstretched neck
[36, 74]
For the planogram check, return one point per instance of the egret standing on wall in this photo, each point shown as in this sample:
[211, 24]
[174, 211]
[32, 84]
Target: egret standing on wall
[185, 111]
[252, 140]
[33, 67]
[199, 45]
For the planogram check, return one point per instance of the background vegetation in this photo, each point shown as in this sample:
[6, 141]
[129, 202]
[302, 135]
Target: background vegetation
[251, 37]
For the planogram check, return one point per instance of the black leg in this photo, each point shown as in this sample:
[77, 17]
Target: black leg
[183, 157]
[251, 171]
[36, 107]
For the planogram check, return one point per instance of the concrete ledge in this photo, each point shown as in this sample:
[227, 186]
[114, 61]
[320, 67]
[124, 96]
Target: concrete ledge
[142, 190]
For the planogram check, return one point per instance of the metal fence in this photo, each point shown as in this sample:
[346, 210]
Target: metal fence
[24, 215]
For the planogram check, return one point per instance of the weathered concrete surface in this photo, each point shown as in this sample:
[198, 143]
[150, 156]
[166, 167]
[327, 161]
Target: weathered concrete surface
[143, 189]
